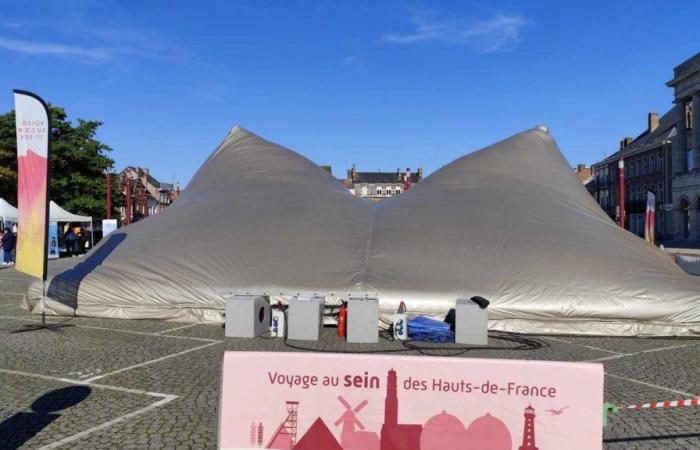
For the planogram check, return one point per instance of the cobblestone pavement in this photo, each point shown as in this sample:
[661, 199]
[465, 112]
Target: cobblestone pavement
[154, 384]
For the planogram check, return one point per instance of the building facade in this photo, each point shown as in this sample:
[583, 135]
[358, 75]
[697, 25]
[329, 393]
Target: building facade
[379, 185]
[685, 167]
[645, 169]
[148, 196]
[664, 160]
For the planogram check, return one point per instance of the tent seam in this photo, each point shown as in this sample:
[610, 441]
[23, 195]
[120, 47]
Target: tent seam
[368, 248]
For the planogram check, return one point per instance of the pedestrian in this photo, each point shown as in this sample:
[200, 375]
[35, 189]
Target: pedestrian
[69, 238]
[8, 246]
[79, 242]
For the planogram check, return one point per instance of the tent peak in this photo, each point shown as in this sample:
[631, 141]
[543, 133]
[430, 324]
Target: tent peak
[542, 128]
[240, 129]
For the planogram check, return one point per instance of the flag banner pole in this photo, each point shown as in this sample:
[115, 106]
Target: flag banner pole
[33, 147]
[33, 127]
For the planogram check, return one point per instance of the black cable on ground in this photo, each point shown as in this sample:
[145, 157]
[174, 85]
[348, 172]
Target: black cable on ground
[412, 346]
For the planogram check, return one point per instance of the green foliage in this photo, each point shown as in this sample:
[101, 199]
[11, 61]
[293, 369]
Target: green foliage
[78, 162]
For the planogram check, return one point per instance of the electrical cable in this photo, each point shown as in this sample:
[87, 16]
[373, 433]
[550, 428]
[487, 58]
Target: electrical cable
[409, 345]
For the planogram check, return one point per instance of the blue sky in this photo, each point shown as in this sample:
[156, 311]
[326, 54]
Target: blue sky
[383, 85]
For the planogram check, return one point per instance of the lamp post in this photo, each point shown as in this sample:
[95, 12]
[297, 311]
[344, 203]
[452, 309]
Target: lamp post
[621, 195]
[127, 218]
[108, 179]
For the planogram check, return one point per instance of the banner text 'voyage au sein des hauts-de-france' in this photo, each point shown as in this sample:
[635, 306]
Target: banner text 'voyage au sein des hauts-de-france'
[311, 401]
[32, 123]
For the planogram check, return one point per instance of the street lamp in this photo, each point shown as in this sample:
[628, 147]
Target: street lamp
[108, 176]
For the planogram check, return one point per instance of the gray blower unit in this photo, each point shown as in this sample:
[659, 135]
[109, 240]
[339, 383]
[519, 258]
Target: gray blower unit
[471, 321]
[305, 318]
[247, 316]
[363, 317]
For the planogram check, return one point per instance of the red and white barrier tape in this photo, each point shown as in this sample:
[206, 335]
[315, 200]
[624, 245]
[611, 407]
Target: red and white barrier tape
[667, 404]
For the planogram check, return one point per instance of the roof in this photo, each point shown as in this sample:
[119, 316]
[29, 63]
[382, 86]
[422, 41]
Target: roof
[382, 177]
[58, 214]
[7, 211]
[683, 70]
[646, 141]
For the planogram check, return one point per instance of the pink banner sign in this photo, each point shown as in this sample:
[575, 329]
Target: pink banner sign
[312, 401]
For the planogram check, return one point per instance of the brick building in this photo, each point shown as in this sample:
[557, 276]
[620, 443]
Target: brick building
[665, 160]
[148, 195]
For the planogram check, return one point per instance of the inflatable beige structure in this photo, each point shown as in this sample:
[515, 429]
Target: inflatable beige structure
[510, 222]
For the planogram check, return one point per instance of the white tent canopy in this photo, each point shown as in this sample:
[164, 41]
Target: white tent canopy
[58, 214]
[510, 222]
[8, 213]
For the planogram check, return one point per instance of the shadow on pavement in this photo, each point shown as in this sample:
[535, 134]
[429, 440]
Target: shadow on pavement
[18, 429]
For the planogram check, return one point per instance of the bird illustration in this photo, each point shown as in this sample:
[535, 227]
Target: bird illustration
[556, 412]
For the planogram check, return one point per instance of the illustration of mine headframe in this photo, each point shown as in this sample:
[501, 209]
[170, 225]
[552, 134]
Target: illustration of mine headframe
[285, 437]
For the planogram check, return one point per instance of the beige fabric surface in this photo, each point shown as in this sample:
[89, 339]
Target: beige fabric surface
[510, 222]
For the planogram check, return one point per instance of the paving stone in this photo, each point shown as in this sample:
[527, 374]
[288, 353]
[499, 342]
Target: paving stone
[190, 421]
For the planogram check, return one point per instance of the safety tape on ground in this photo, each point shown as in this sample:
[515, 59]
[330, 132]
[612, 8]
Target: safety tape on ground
[667, 404]
[611, 408]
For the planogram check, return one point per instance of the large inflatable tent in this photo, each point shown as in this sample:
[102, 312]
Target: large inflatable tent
[510, 222]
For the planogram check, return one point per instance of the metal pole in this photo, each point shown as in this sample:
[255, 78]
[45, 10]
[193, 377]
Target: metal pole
[127, 218]
[109, 192]
[43, 302]
[621, 177]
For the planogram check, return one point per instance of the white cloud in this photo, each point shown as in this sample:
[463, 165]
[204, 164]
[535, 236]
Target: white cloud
[490, 35]
[353, 62]
[94, 54]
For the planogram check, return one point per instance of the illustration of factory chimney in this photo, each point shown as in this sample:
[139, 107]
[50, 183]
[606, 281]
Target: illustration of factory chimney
[260, 434]
[253, 434]
[529, 430]
[285, 437]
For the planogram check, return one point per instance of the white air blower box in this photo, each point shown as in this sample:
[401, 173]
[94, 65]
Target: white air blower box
[363, 318]
[305, 317]
[471, 323]
[247, 316]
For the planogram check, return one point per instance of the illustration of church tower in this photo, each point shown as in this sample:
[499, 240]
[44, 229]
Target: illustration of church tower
[529, 430]
[391, 403]
[395, 435]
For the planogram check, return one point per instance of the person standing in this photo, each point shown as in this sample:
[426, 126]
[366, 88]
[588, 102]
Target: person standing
[69, 238]
[8, 246]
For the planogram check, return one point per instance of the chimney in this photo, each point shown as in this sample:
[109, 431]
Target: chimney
[625, 142]
[580, 167]
[351, 173]
[420, 173]
[653, 121]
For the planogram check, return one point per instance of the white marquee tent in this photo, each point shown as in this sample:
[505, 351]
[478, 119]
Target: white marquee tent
[510, 222]
[8, 213]
[58, 214]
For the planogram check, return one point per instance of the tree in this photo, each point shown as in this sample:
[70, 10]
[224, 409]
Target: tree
[77, 165]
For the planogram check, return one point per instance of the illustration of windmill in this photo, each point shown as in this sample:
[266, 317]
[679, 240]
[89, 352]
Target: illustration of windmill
[350, 439]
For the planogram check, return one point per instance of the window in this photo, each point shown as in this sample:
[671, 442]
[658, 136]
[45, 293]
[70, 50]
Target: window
[689, 160]
[379, 190]
[652, 164]
[689, 116]
[646, 166]
[659, 162]
[398, 190]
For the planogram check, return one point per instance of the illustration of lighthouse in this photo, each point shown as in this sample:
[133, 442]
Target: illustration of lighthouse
[529, 430]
